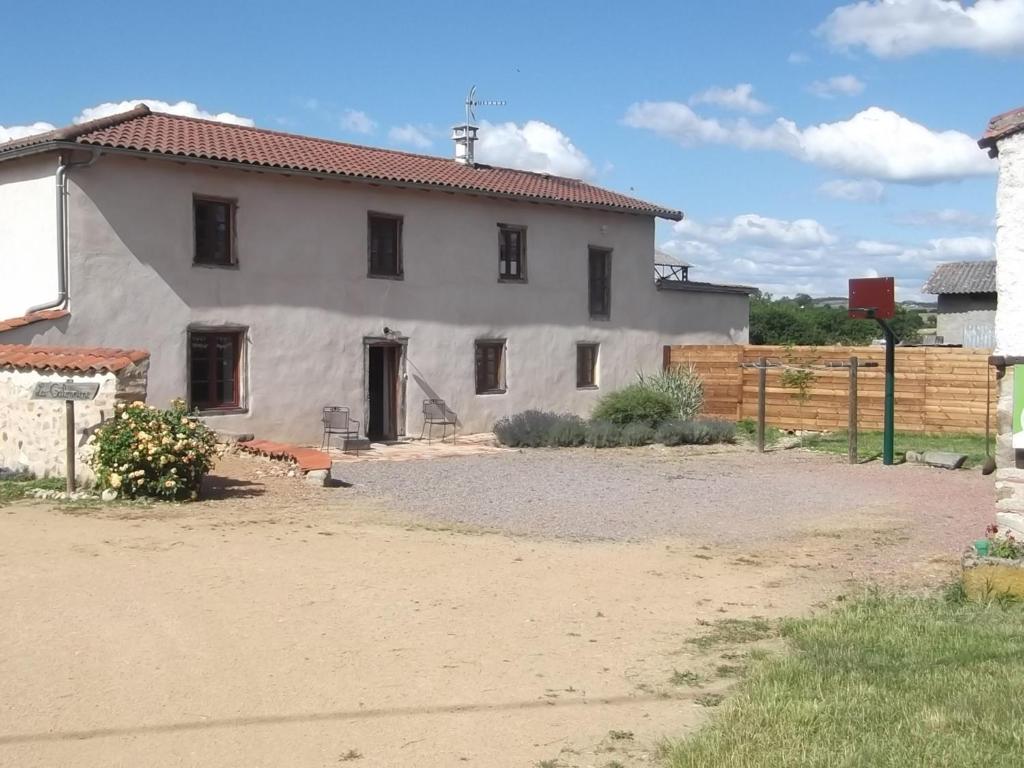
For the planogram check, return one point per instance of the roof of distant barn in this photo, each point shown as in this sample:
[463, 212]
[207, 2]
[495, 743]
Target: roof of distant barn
[141, 130]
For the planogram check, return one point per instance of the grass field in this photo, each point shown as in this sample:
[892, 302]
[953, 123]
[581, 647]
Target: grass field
[869, 444]
[883, 681]
[12, 490]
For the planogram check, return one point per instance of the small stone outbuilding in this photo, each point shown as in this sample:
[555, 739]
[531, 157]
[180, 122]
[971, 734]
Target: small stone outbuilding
[967, 301]
[32, 432]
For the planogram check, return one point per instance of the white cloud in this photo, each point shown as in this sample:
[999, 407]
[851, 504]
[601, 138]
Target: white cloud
[875, 143]
[12, 132]
[801, 256]
[740, 98]
[357, 121]
[532, 146]
[796, 57]
[853, 190]
[411, 135]
[762, 230]
[895, 28]
[947, 217]
[841, 85]
[184, 108]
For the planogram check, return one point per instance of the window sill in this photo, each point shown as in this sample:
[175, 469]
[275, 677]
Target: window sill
[493, 392]
[385, 277]
[232, 410]
[208, 265]
[588, 386]
[604, 318]
[513, 280]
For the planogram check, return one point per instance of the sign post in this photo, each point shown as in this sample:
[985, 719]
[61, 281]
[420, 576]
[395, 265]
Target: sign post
[69, 391]
[874, 298]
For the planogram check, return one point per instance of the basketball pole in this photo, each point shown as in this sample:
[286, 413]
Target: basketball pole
[890, 391]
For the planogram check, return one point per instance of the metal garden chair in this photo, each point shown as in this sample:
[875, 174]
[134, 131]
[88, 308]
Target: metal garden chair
[435, 413]
[338, 421]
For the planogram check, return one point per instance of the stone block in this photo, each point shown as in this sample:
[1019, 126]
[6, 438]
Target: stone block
[1013, 504]
[1011, 521]
[944, 459]
[321, 477]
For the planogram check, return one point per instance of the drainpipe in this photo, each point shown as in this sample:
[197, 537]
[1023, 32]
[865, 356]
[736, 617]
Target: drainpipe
[60, 179]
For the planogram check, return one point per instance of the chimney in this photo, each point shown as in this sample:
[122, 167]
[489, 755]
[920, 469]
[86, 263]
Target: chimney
[464, 137]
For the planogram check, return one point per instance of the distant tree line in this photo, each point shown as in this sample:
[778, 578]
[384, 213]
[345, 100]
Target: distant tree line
[799, 322]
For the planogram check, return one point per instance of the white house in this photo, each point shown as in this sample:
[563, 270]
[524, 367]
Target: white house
[270, 275]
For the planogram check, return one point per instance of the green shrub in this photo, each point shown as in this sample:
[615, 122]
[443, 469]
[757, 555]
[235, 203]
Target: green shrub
[528, 429]
[637, 433]
[535, 429]
[635, 403]
[568, 431]
[682, 384]
[144, 451]
[696, 432]
[604, 434]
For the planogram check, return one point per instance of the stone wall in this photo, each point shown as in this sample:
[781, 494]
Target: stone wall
[32, 432]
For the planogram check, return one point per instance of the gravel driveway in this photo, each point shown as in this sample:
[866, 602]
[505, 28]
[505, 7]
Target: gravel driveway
[636, 494]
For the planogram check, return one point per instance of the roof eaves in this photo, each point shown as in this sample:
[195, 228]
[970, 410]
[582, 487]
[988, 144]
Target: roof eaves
[699, 287]
[999, 128]
[72, 132]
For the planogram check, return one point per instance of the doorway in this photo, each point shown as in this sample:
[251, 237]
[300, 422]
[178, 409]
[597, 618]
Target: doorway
[385, 405]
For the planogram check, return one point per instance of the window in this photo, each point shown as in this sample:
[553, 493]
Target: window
[586, 366]
[385, 245]
[511, 253]
[490, 366]
[215, 369]
[214, 227]
[600, 280]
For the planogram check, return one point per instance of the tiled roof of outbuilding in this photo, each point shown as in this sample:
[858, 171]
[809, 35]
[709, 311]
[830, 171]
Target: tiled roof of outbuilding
[34, 317]
[141, 130]
[69, 359]
[1001, 126]
[962, 277]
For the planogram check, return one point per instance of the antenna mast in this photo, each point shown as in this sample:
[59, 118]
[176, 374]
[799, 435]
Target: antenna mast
[464, 135]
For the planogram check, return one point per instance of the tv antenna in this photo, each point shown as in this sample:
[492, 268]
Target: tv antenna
[464, 135]
[472, 102]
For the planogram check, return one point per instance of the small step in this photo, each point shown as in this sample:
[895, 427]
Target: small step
[355, 444]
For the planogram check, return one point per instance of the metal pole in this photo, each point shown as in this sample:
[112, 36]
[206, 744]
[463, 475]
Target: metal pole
[852, 416]
[762, 383]
[69, 457]
[890, 394]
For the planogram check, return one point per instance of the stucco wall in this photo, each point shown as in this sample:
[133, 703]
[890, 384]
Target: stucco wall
[28, 231]
[301, 291]
[974, 312]
[1010, 312]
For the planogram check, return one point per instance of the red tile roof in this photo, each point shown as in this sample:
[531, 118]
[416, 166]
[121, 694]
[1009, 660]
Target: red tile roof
[71, 359]
[1001, 126]
[141, 130]
[34, 317]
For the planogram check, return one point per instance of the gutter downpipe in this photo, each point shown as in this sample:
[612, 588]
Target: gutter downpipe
[60, 180]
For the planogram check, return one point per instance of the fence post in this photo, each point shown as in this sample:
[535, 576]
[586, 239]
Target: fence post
[762, 383]
[852, 427]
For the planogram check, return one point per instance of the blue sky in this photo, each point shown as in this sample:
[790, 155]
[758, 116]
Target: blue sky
[807, 142]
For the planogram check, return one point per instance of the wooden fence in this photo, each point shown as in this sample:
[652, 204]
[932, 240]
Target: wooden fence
[938, 389]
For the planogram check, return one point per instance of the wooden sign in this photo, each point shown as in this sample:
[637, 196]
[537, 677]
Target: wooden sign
[65, 390]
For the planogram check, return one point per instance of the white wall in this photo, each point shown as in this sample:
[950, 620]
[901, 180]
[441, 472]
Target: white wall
[28, 232]
[302, 291]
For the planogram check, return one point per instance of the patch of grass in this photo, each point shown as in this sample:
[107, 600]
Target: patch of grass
[709, 699]
[620, 735]
[12, 490]
[547, 764]
[736, 632]
[729, 670]
[748, 428]
[684, 678]
[869, 444]
[880, 682]
[352, 754]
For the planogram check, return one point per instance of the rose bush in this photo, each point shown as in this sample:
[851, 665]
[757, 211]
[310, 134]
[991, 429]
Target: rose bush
[145, 451]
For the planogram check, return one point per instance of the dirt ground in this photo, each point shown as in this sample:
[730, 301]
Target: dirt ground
[281, 624]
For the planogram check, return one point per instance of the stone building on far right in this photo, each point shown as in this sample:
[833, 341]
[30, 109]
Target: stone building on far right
[1004, 139]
